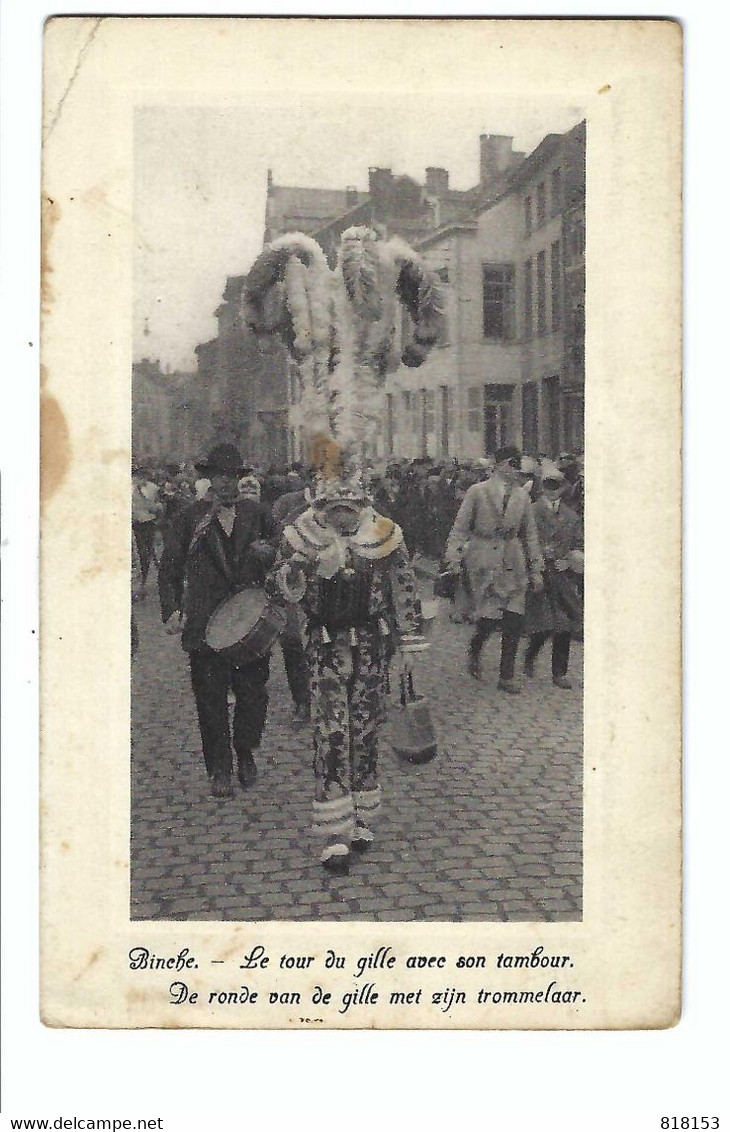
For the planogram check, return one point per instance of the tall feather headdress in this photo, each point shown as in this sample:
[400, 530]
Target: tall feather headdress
[341, 328]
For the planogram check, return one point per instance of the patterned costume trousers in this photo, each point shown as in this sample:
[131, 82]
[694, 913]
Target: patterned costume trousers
[347, 700]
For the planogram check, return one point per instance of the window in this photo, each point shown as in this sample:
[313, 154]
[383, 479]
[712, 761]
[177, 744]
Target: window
[392, 414]
[556, 285]
[429, 410]
[528, 215]
[575, 237]
[572, 420]
[497, 410]
[443, 274]
[551, 412]
[528, 297]
[540, 204]
[474, 408]
[556, 191]
[530, 440]
[541, 294]
[447, 402]
[498, 300]
[295, 385]
[390, 425]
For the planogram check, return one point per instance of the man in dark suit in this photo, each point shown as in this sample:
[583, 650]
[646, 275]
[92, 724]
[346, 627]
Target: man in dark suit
[214, 548]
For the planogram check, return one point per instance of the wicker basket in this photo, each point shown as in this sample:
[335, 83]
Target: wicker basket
[412, 733]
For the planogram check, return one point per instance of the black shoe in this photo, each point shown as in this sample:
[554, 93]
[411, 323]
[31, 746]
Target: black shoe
[338, 866]
[247, 771]
[220, 786]
[362, 838]
[335, 858]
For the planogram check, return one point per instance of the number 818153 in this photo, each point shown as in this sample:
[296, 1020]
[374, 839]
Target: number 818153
[693, 1122]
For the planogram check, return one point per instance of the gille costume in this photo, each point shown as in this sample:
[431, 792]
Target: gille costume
[358, 596]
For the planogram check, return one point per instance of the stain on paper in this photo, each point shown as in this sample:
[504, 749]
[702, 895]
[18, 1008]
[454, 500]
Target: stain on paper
[55, 447]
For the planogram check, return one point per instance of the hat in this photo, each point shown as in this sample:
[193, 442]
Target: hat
[348, 488]
[551, 471]
[507, 453]
[223, 460]
[528, 466]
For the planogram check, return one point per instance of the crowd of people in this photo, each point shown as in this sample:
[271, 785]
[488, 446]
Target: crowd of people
[422, 495]
[504, 536]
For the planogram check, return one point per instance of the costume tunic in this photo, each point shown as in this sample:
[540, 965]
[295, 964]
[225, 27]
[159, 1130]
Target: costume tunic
[359, 602]
[495, 535]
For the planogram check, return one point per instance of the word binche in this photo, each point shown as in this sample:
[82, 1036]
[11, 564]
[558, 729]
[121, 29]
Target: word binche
[142, 959]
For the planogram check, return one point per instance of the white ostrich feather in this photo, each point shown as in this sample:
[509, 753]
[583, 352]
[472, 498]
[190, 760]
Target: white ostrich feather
[341, 326]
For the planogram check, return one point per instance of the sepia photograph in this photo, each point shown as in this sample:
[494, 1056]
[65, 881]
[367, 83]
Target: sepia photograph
[357, 509]
[360, 385]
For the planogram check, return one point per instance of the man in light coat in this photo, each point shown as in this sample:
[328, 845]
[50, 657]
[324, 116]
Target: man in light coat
[494, 534]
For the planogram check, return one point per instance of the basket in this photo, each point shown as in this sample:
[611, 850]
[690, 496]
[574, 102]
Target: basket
[412, 734]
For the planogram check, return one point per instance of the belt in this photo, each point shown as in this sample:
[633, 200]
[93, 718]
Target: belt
[495, 535]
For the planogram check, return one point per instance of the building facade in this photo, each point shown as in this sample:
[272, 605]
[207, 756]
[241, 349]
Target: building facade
[510, 368]
[510, 254]
[242, 377]
[168, 415]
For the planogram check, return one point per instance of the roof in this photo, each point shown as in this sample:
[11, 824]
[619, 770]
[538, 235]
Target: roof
[529, 167]
[466, 225]
[296, 208]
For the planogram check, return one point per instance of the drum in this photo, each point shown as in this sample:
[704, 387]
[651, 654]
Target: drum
[244, 627]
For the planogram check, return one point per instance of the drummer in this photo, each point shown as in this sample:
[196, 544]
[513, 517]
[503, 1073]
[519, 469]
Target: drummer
[215, 547]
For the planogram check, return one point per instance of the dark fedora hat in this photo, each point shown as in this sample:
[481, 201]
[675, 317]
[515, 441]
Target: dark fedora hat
[222, 460]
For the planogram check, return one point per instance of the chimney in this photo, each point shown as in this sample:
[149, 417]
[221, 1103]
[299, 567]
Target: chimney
[379, 182]
[437, 181]
[350, 196]
[495, 156]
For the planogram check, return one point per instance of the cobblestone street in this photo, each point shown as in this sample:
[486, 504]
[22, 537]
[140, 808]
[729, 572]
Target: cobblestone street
[490, 830]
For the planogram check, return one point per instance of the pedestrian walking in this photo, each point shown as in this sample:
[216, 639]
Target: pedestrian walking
[557, 611]
[214, 548]
[146, 510]
[136, 579]
[495, 537]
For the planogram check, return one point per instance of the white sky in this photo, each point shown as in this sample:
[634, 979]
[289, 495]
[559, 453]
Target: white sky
[200, 185]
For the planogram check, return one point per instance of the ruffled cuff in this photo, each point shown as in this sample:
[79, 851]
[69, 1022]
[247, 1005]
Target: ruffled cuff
[291, 591]
[413, 642]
